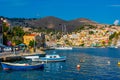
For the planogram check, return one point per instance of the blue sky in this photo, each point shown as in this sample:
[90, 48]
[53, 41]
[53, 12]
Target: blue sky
[102, 11]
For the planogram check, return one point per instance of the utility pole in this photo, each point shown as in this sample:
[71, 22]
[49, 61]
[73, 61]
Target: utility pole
[1, 30]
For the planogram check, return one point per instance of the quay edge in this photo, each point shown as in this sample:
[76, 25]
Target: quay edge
[12, 58]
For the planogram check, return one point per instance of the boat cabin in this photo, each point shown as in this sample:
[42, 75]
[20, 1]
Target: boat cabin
[52, 56]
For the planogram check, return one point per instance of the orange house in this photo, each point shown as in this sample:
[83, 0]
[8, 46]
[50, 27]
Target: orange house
[28, 38]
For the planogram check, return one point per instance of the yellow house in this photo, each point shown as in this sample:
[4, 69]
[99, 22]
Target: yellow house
[28, 38]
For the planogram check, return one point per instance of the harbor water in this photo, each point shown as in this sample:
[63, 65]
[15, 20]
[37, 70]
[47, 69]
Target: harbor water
[95, 64]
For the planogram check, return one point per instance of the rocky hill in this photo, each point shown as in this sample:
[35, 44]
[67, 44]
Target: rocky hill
[50, 23]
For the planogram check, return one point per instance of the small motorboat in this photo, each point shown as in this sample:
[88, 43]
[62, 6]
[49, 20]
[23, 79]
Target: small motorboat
[18, 66]
[33, 58]
[52, 58]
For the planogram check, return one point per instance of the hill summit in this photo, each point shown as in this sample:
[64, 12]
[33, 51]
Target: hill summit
[50, 22]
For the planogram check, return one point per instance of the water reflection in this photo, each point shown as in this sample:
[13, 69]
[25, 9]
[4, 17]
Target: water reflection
[54, 66]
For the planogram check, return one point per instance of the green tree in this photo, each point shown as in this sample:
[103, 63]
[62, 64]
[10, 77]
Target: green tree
[79, 28]
[5, 27]
[91, 32]
[68, 43]
[18, 34]
[112, 36]
[32, 43]
[18, 31]
[5, 33]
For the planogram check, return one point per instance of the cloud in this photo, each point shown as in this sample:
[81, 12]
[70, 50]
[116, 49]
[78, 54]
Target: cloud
[116, 5]
[116, 22]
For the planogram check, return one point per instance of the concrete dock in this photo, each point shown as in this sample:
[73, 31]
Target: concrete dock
[8, 57]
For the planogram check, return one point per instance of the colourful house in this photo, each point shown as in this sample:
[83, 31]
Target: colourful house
[28, 38]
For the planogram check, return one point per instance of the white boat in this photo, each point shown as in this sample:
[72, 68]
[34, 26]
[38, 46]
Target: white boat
[53, 58]
[33, 58]
[47, 58]
[64, 48]
[112, 47]
[30, 57]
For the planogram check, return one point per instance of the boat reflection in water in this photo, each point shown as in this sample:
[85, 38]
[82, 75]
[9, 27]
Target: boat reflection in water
[54, 66]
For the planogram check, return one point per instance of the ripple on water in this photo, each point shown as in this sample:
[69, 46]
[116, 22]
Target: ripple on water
[95, 64]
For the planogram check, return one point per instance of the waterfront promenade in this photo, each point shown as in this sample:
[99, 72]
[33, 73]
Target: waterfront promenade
[18, 55]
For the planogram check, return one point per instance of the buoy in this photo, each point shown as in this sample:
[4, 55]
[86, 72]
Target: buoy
[118, 63]
[108, 62]
[78, 66]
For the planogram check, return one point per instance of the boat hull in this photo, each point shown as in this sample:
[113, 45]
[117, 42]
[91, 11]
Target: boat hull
[11, 66]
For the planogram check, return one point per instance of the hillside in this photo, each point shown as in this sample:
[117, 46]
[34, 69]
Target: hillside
[50, 23]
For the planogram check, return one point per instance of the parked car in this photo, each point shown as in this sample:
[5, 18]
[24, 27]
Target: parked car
[7, 49]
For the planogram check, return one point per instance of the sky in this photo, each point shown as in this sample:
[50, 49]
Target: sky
[101, 11]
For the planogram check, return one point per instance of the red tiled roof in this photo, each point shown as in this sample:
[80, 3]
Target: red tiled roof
[32, 35]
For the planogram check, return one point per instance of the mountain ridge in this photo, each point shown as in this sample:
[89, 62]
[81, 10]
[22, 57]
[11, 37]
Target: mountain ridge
[50, 22]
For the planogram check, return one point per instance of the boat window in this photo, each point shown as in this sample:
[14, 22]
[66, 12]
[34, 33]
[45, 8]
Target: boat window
[54, 56]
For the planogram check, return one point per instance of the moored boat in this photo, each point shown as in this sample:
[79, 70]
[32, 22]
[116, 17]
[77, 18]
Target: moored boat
[33, 58]
[53, 58]
[17, 66]
[64, 48]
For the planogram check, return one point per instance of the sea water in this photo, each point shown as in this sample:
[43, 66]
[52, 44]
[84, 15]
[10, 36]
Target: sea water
[95, 64]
